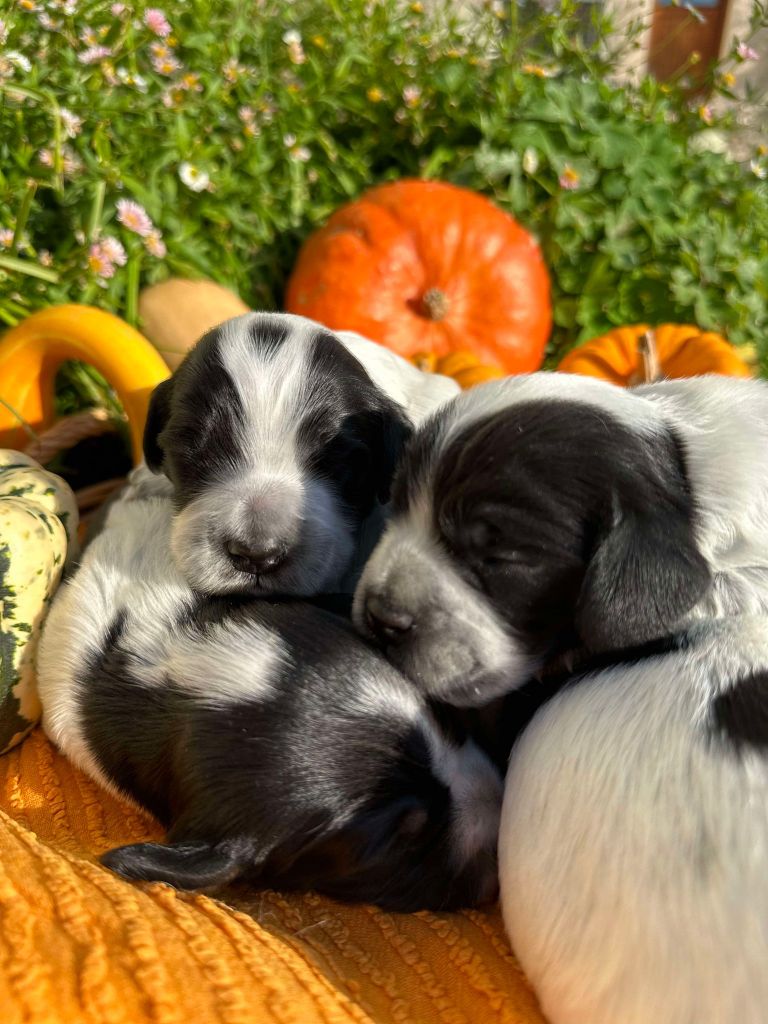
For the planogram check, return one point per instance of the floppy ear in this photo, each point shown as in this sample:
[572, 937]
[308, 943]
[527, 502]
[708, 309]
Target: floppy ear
[157, 417]
[645, 574]
[389, 431]
[190, 865]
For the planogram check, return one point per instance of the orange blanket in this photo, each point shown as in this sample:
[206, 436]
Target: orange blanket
[80, 946]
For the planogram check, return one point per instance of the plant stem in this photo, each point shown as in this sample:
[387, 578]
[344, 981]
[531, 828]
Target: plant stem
[133, 272]
[18, 266]
[23, 215]
[97, 206]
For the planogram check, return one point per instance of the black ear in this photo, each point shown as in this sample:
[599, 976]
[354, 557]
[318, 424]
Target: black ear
[157, 418]
[645, 574]
[390, 430]
[185, 865]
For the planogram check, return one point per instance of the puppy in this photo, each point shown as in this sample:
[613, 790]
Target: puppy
[548, 518]
[275, 744]
[280, 440]
[634, 839]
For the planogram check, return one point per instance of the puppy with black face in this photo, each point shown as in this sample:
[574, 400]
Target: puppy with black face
[280, 440]
[277, 746]
[554, 517]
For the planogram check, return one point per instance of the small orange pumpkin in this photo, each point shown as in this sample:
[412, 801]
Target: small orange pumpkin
[464, 367]
[425, 266]
[636, 354]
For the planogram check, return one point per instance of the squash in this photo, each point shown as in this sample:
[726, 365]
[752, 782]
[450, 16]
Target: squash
[425, 266]
[32, 352]
[38, 529]
[175, 313]
[462, 366]
[637, 354]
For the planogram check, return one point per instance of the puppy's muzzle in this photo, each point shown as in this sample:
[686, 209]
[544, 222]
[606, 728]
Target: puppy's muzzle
[389, 624]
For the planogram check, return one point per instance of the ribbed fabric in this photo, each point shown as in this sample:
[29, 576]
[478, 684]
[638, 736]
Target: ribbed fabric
[80, 946]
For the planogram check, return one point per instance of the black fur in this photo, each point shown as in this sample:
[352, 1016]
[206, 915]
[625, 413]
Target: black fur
[350, 434]
[354, 435]
[189, 432]
[579, 530]
[306, 787]
[740, 713]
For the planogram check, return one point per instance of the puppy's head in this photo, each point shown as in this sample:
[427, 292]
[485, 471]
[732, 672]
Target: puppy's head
[278, 444]
[532, 517]
[336, 778]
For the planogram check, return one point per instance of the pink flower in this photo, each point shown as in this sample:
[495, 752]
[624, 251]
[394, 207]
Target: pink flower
[70, 122]
[569, 179]
[165, 65]
[412, 95]
[70, 161]
[156, 22]
[117, 10]
[134, 217]
[746, 52]
[94, 54]
[6, 237]
[45, 156]
[99, 262]
[706, 113]
[155, 244]
[114, 251]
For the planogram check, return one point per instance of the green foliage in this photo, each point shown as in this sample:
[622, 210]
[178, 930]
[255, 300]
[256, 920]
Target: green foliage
[284, 110]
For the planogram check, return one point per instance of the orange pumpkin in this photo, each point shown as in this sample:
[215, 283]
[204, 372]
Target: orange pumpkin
[632, 355]
[425, 266]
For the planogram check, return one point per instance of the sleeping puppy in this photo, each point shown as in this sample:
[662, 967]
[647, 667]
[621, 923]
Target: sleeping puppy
[280, 439]
[544, 519]
[634, 839]
[275, 744]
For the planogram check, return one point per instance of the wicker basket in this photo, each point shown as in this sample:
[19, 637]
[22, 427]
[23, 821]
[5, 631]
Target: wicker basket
[65, 434]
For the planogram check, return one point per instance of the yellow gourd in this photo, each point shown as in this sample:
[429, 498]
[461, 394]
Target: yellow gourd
[38, 529]
[32, 352]
[463, 366]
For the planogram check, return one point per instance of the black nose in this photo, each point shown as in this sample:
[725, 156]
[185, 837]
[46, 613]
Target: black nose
[257, 559]
[389, 624]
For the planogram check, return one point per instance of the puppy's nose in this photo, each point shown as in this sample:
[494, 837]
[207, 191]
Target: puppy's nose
[257, 560]
[390, 625]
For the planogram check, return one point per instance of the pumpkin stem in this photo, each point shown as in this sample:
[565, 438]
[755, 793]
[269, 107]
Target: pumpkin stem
[434, 304]
[649, 370]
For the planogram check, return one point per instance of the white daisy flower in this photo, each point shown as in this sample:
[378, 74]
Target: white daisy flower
[193, 177]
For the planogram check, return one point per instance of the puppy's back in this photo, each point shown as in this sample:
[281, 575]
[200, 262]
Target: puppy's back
[634, 839]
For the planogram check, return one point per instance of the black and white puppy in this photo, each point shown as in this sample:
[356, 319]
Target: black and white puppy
[550, 517]
[634, 840]
[280, 439]
[278, 747]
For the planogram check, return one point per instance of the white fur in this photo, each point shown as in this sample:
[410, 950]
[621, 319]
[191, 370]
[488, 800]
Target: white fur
[127, 569]
[634, 844]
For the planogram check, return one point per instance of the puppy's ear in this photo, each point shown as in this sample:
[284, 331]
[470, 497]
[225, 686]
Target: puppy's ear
[645, 574]
[389, 431]
[189, 865]
[157, 418]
